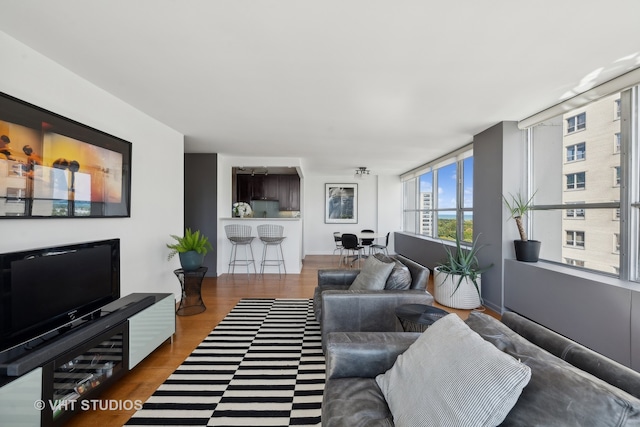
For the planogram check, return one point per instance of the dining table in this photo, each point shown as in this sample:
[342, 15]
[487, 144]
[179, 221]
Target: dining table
[366, 234]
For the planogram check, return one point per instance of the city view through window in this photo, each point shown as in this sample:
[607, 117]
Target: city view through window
[576, 171]
[441, 204]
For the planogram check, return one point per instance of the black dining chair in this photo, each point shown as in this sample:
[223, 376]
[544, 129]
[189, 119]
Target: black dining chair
[367, 242]
[382, 248]
[350, 244]
[337, 238]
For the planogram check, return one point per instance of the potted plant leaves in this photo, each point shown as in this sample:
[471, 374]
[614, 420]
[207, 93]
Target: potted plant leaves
[526, 250]
[191, 248]
[457, 280]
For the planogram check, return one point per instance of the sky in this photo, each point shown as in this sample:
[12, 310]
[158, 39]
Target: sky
[447, 184]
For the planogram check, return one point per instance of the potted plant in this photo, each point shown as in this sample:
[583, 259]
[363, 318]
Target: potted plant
[457, 280]
[526, 250]
[191, 248]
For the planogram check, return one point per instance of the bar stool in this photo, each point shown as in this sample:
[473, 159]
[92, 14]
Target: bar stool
[240, 235]
[271, 235]
[337, 238]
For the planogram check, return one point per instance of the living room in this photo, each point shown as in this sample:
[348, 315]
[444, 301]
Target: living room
[46, 80]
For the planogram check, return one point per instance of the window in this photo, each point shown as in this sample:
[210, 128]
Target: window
[575, 181]
[616, 109]
[574, 213]
[576, 152]
[439, 202]
[575, 238]
[567, 210]
[616, 243]
[577, 123]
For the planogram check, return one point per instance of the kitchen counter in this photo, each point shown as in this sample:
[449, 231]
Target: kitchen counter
[260, 219]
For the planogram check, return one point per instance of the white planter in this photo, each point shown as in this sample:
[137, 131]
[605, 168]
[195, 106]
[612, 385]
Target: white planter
[466, 297]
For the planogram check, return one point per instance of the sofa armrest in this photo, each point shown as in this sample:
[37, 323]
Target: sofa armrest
[366, 311]
[336, 277]
[364, 354]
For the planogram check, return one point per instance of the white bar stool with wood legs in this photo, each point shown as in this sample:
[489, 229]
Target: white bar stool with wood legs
[240, 235]
[272, 235]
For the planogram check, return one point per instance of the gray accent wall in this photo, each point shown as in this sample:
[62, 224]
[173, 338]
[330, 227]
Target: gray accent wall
[423, 251]
[497, 170]
[586, 309]
[201, 200]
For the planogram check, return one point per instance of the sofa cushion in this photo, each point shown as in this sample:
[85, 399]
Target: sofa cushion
[373, 275]
[451, 376]
[400, 277]
[558, 392]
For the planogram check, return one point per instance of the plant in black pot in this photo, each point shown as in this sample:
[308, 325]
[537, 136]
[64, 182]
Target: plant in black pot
[191, 248]
[526, 250]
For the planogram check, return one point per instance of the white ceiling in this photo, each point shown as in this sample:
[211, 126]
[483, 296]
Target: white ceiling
[387, 84]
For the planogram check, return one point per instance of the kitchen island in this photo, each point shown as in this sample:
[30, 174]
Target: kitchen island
[291, 246]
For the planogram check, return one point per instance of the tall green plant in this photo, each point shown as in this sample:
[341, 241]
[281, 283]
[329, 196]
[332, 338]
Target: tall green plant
[518, 207]
[464, 263]
[191, 241]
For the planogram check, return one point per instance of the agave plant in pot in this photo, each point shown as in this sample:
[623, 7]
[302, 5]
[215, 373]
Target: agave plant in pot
[191, 248]
[526, 250]
[457, 280]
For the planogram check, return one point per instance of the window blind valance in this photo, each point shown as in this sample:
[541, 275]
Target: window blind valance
[625, 81]
[459, 154]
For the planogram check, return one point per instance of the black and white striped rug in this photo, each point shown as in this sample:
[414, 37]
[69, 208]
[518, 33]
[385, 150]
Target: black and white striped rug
[261, 366]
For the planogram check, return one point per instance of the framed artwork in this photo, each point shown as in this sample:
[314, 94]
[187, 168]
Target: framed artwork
[54, 167]
[341, 204]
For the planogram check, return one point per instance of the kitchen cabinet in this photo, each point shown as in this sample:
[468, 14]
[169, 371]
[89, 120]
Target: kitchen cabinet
[289, 192]
[284, 188]
[270, 187]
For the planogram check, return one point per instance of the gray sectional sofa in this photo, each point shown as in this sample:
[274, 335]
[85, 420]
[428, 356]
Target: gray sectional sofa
[339, 309]
[570, 385]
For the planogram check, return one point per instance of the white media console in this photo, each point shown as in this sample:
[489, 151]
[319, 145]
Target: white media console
[60, 375]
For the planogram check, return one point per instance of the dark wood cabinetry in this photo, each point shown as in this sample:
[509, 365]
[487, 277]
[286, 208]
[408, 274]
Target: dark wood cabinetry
[284, 188]
[289, 192]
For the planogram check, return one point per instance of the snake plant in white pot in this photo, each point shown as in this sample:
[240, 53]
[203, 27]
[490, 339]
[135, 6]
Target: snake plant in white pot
[457, 280]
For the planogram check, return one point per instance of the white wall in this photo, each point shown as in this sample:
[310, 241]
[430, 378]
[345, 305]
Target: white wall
[379, 209]
[157, 171]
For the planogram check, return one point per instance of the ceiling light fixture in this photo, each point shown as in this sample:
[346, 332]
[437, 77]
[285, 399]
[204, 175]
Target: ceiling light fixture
[361, 173]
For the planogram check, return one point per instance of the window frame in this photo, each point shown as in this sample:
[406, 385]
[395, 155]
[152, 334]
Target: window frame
[576, 157]
[418, 213]
[626, 209]
[577, 124]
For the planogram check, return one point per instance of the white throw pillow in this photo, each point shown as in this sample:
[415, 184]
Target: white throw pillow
[451, 376]
[373, 275]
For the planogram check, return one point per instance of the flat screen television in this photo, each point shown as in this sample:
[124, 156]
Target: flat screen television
[44, 290]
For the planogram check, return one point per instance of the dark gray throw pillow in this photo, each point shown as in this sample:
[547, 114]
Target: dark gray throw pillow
[400, 277]
[373, 275]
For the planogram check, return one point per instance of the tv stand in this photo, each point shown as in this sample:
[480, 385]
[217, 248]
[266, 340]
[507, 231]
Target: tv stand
[66, 371]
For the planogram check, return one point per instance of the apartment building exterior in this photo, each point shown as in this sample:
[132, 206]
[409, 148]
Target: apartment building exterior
[591, 174]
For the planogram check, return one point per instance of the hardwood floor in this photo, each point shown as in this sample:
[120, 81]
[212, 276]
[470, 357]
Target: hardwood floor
[220, 295]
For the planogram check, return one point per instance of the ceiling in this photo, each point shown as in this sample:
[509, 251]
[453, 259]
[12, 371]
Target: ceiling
[339, 84]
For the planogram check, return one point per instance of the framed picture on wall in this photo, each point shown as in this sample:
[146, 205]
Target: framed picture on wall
[341, 204]
[54, 167]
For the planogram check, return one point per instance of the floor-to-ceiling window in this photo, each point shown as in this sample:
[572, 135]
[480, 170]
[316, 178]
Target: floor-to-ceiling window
[584, 171]
[438, 197]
